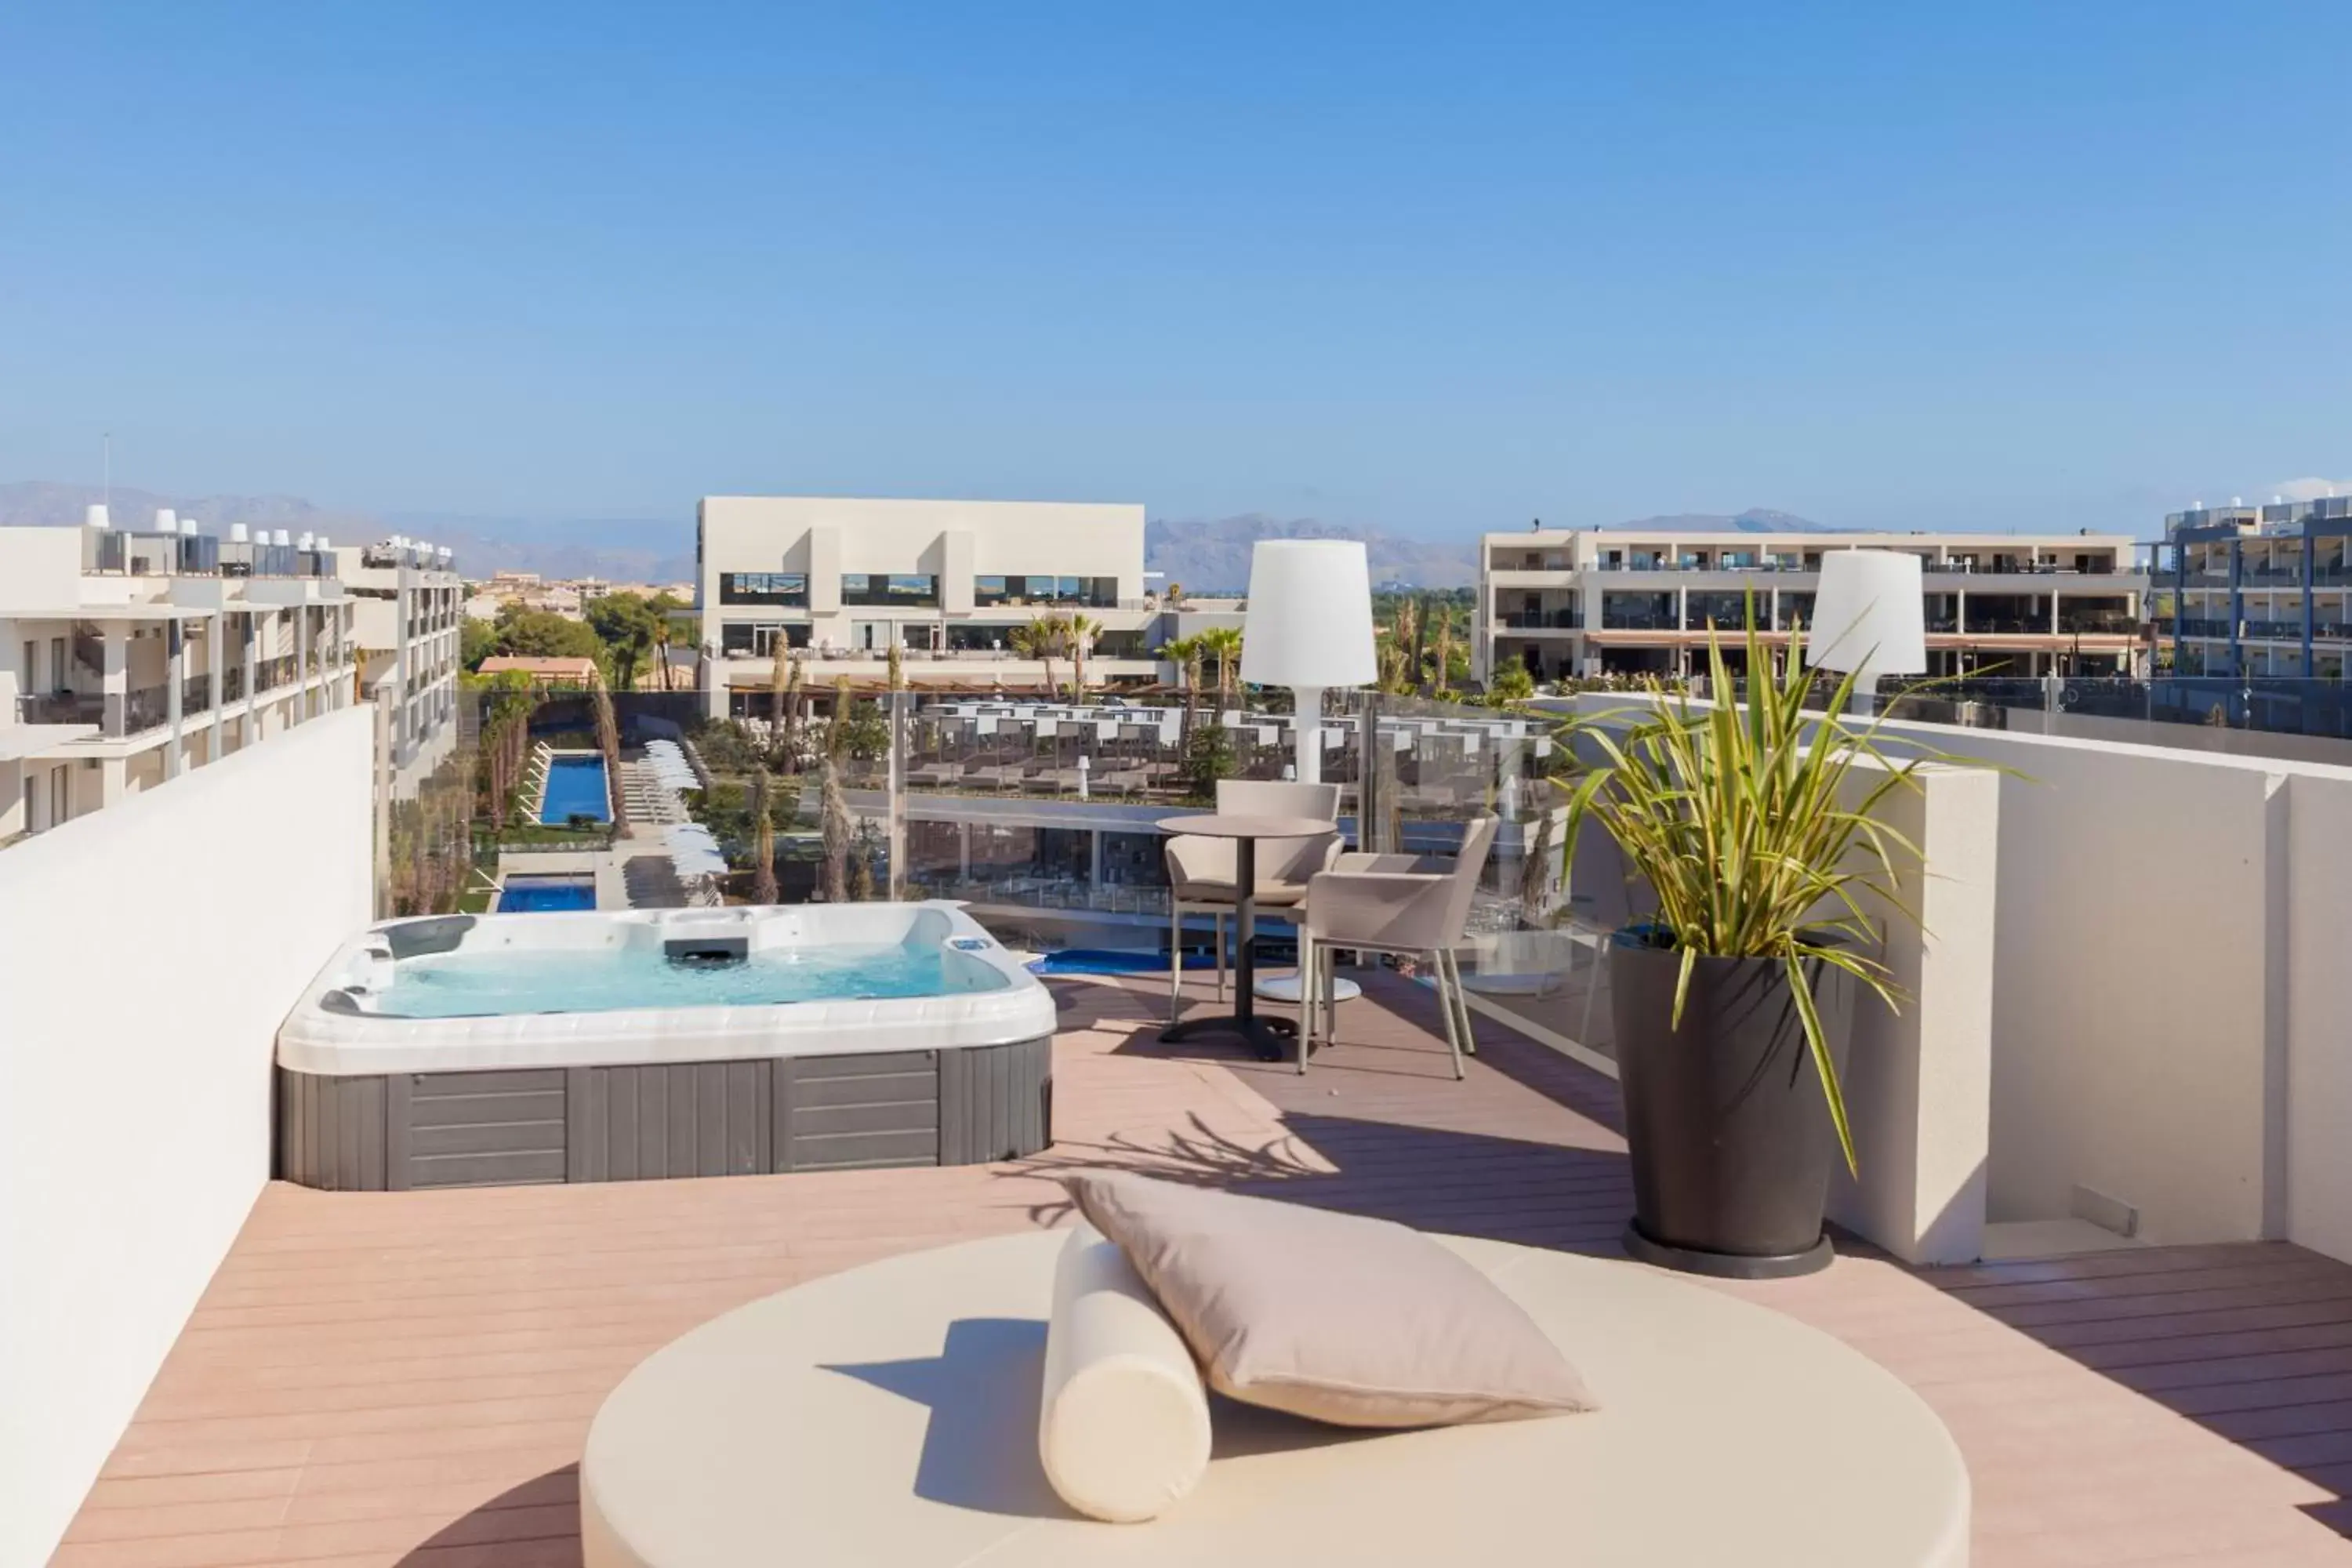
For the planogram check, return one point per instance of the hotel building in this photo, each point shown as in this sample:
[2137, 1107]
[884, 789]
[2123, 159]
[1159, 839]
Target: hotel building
[128, 656]
[1580, 601]
[2258, 591]
[947, 582]
[408, 604]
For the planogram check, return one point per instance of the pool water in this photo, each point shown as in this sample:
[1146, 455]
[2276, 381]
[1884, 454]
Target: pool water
[536, 895]
[575, 787]
[472, 985]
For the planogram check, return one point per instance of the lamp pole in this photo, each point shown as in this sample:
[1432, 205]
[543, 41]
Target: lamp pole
[1310, 733]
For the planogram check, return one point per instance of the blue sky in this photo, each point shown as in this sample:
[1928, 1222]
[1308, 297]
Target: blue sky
[1435, 269]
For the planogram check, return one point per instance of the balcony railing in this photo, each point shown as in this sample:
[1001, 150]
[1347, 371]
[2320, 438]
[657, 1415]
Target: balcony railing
[2192, 626]
[196, 694]
[1542, 620]
[269, 674]
[148, 708]
[2104, 623]
[233, 683]
[60, 708]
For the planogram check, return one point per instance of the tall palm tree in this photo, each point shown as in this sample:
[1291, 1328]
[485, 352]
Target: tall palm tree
[1041, 639]
[764, 839]
[779, 679]
[1225, 644]
[1184, 653]
[1079, 632]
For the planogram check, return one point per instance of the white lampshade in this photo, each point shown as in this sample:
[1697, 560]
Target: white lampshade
[188, 526]
[1310, 615]
[304, 541]
[323, 542]
[95, 515]
[166, 521]
[1868, 616]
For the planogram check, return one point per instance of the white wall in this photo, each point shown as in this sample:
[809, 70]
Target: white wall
[2171, 990]
[147, 954]
[1918, 1077]
[2319, 865]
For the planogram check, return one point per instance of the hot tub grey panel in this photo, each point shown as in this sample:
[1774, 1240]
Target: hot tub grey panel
[852, 1112]
[995, 1104]
[641, 1122]
[684, 1119]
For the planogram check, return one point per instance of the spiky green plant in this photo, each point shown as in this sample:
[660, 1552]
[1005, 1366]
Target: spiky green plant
[1751, 824]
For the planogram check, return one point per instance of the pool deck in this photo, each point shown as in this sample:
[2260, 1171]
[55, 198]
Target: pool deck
[405, 1378]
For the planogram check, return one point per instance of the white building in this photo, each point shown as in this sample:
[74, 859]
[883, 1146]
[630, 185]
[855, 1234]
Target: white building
[128, 656]
[1581, 602]
[407, 604]
[947, 582]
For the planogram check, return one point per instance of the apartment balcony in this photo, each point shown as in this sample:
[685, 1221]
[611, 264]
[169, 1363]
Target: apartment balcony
[2098, 623]
[269, 674]
[233, 683]
[1542, 621]
[60, 708]
[196, 695]
[145, 708]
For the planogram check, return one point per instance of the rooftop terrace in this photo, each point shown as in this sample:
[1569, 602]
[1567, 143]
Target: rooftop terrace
[406, 1378]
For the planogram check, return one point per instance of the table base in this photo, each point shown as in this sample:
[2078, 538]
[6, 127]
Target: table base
[1272, 1038]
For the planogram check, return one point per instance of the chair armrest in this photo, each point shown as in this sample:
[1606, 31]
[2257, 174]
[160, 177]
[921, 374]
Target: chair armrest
[1396, 908]
[1360, 860]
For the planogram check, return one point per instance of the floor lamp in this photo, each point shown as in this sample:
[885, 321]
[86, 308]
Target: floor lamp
[1869, 620]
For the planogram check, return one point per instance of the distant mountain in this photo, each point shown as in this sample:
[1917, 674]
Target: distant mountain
[1208, 557]
[37, 504]
[619, 549]
[625, 550]
[1756, 520]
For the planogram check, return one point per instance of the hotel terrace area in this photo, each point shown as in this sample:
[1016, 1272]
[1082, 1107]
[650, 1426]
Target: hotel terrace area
[262, 1311]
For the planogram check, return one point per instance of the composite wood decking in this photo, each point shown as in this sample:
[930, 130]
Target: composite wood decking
[379, 1378]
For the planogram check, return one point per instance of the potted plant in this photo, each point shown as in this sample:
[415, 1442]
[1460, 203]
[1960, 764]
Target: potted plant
[1753, 824]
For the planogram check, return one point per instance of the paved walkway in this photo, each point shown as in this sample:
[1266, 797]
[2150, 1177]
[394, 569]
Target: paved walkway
[406, 1377]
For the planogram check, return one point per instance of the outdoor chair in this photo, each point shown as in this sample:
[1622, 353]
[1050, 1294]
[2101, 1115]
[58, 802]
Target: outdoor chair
[1202, 872]
[1376, 905]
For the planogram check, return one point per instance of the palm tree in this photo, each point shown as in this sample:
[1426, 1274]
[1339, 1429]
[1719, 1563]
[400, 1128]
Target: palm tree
[779, 679]
[1444, 651]
[1225, 644]
[1080, 631]
[1185, 654]
[1040, 640]
[764, 839]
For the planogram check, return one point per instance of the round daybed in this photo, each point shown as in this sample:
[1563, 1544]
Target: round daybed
[887, 1417]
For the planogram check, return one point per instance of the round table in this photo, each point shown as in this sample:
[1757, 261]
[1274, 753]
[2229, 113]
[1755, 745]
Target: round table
[887, 1417]
[1267, 1037]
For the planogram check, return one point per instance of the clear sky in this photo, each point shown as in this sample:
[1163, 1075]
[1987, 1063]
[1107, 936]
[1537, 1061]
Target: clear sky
[1437, 268]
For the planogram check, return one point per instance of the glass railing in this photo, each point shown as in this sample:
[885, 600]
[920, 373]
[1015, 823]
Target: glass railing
[60, 708]
[196, 694]
[145, 708]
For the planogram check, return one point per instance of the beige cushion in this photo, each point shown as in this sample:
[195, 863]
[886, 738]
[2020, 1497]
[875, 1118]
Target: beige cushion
[1356, 1322]
[1123, 1421]
[1211, 890]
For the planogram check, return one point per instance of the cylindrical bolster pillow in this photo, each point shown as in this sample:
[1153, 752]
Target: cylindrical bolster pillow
[1123, 1429]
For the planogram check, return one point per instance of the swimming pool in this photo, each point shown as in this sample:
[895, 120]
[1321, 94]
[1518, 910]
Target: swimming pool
[539, 894]
[480, 1049]
[576, 788]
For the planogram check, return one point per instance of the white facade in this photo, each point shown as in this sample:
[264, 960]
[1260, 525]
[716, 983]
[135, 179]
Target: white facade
[1577, 602]
[408, 604]
[128, 657]
[947, 582]
[147, 955]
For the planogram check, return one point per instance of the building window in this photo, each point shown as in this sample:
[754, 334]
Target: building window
[789, 589]
[746, 639]
[1094, 592]
[901, 591]
[1638, 612]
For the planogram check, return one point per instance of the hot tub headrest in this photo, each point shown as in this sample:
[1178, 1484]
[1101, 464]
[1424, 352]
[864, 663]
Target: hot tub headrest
[436, 933]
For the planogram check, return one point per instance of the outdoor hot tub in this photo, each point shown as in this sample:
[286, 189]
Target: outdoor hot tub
[474, 1050]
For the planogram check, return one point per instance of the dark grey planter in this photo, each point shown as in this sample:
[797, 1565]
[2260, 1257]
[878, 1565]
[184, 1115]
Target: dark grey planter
[1726, 1123]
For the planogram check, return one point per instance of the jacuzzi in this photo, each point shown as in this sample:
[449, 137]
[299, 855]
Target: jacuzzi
[471, 1050]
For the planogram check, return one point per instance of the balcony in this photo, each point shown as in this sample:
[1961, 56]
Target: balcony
[196, 694]
[2098, 623]
[1542, 620]
[147, 708]
[269, 674]
[233, 683]
[60, 708]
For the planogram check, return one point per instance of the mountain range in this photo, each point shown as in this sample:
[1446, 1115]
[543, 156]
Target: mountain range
[1204, 554]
